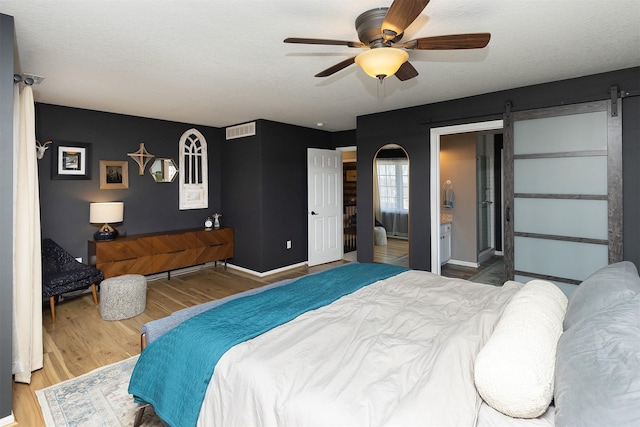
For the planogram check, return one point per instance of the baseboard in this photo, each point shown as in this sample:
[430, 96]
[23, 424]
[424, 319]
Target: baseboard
[267, 273]
[8, 420]
[463, 263]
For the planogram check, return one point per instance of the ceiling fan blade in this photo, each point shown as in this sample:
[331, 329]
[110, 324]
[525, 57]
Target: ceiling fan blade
[323, 42]
[406, 72]
[454, 41]
[335, 68]
[400, 15]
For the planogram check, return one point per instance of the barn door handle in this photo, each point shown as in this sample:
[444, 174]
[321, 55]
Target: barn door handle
[314, 213]
[507, 214]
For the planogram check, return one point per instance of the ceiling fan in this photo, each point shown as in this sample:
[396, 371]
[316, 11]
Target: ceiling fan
[380, 31]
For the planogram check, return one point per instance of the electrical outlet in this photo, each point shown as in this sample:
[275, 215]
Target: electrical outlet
[288, 244]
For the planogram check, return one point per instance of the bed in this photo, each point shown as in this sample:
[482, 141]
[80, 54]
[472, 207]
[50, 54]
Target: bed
[369, 344]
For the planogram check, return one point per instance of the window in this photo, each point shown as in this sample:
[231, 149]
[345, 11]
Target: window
[393, 185]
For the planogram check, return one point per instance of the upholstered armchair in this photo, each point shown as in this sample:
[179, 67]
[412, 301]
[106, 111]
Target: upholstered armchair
[63, 273]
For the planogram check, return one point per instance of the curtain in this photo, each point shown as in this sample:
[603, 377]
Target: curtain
[27, 265]
[377, 213]
[391, 193]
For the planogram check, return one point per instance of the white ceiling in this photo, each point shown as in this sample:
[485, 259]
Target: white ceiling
[221, 63]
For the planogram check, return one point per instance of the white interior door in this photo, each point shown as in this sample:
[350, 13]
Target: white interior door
[324, 182]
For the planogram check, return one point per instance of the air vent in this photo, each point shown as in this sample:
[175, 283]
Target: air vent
[240, 131]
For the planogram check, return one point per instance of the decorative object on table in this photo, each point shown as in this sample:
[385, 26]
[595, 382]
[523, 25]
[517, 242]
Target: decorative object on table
[163, 170]
[208, 223]
[106, 213]
[142, 157]
[216, 220]
[448, 195]
[71, 160]
[194, 175]
[114, 174]
[41, 148]
[122, 297]
[62, 273]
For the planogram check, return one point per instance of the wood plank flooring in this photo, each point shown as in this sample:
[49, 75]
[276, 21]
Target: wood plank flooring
[462, 272]
[80, 341]
[396, 252]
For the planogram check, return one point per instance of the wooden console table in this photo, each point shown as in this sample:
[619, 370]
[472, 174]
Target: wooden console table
[159, 252]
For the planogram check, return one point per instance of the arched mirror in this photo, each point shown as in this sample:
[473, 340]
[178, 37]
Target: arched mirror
[163, 170]
[391, 206]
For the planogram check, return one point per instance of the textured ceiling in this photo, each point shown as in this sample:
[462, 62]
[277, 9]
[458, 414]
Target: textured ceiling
[221, 63]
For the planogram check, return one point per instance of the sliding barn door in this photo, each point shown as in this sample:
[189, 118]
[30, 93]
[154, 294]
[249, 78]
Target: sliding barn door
[563, 190]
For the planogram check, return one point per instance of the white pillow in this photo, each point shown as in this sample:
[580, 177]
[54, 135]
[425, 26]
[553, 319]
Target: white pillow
[514, 371]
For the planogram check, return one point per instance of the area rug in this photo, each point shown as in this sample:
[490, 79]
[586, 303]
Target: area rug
[98, 398]
[492, 275]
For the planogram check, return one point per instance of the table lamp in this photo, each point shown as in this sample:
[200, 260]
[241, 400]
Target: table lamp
[105, 213]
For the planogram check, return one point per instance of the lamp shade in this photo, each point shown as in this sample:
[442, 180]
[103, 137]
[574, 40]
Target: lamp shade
[105, 213]
[381, 62]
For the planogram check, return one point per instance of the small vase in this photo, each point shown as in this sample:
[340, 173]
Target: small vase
[216, 223]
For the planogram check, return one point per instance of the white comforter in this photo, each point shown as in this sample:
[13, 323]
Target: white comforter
[397, 352]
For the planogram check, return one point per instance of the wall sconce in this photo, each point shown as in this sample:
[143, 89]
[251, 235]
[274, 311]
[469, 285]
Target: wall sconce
[106, 213]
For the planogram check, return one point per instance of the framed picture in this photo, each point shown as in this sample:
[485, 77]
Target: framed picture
[114, 174]
[71, 160]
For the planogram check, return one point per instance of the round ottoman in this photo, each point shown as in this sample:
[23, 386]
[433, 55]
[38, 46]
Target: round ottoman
[122, 297]
[379, 236]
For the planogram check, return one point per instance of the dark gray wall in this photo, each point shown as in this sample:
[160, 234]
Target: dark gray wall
[345, 138]
[257, 183]
[410, 128]
[148, 206]
[242, 197]
[265, 193]
[631, 177]
[6, 211]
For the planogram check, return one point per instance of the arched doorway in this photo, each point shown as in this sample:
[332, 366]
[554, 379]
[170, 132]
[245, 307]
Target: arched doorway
[391, 205]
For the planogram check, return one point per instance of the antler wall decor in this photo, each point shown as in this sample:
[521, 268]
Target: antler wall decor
[41, 148]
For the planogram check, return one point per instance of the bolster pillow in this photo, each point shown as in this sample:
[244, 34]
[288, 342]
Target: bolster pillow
[514, 371]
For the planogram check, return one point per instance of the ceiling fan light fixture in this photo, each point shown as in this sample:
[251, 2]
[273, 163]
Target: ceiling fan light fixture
[381, 62]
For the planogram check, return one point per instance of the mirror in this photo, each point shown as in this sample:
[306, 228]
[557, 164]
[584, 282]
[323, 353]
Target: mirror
[163, 170]
[391, 206]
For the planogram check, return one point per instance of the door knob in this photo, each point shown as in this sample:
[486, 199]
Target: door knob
[314, 213]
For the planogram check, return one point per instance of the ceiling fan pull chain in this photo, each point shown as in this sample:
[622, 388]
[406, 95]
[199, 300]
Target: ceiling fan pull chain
[381, 90]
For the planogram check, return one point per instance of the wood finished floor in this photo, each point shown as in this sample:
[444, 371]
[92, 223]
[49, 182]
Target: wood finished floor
[396, 252]
[80, 341]
[462, 272]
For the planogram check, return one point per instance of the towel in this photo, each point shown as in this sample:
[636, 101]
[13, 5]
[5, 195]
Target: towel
[448, 198]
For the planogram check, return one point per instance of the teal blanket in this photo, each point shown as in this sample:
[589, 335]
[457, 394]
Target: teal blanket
[173, 372]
